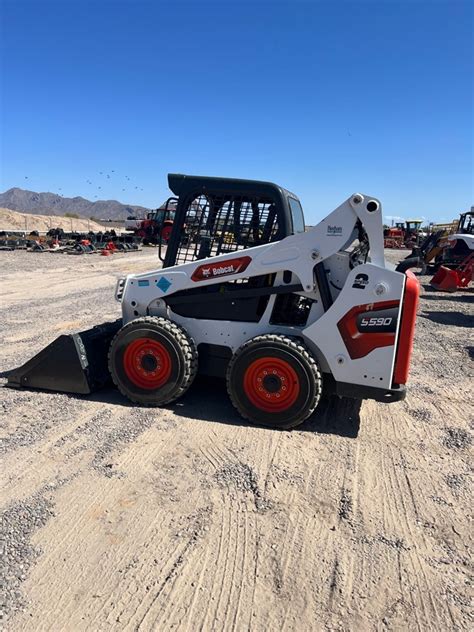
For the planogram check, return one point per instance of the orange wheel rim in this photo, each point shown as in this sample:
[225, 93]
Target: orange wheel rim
[271, 384]
[147, 363]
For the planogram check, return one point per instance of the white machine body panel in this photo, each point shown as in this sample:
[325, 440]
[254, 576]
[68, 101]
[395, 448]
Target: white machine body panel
[340, 348]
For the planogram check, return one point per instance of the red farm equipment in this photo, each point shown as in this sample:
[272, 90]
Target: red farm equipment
[403, 234]
[157, 226]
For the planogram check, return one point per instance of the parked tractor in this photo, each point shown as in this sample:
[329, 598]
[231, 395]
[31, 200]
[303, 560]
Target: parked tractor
[403, 234]
[157, 226]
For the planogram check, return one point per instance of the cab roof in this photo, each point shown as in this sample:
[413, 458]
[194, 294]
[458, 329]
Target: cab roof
[182, 184]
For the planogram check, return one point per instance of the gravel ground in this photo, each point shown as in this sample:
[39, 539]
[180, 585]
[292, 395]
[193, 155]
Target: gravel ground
[125, 518]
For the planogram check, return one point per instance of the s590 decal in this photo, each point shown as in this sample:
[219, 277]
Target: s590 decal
[367, 327]
[384, 320]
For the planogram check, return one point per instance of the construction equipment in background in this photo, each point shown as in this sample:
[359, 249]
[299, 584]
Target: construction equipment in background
[412, 232]
[440, 248]
[425, 254]
[462, 225]
[394, 236]
[457, 258]
[157, 225]
[452, 279]
[403, 234]
[246, 294]
[58, 241]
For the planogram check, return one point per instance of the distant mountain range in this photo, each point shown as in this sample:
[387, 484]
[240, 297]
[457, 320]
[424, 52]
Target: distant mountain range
[52, 204]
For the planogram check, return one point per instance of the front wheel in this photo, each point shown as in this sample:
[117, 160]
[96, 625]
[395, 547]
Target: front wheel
[274, 380]
[152, 361]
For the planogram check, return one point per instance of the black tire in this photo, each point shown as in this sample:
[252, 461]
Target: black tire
[152, 361]
[287, 361]
[411, 262]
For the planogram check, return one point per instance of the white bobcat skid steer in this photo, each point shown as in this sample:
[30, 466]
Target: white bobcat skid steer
[278, 319]
[245, 293]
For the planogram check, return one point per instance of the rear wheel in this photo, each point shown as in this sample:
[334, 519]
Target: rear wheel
[273, 380]
[152, 361]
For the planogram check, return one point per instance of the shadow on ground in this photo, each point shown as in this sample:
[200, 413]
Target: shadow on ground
[207, 400]
[434, 292]
[465, 298]
[457, 319]
[335, 415]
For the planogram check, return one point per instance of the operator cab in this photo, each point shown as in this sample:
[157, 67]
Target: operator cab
[214, 216]
[165, 211]
[466, 223]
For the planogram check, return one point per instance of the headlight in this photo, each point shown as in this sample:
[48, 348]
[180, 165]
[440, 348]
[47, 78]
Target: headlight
[119, 289]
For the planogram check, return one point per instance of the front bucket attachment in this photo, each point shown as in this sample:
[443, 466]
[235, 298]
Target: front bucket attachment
[74, 363]
[445, 280]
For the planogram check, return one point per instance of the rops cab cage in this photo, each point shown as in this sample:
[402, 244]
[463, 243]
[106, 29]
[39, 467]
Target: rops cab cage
[217, 216]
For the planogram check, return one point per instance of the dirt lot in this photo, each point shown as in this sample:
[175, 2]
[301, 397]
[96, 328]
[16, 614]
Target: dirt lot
[124, 518]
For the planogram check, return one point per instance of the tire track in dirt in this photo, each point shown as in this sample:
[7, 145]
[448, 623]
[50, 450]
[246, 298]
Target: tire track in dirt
[403, 514]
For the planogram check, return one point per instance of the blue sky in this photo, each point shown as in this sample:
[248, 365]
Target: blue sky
[325, 98]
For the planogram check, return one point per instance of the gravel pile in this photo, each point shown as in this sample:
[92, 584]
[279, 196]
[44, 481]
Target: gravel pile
[457, 438]
[243, 478]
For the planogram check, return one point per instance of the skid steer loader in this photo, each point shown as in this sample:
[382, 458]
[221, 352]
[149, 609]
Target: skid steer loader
[247, 294]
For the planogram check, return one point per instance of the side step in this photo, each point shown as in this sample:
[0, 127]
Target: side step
[74, 363]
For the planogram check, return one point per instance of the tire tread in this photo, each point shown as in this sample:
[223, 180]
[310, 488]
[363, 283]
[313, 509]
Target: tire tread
[296, 345]
[187, 345]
